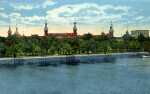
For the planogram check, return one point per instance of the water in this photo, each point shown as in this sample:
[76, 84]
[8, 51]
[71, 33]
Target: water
[122, 76]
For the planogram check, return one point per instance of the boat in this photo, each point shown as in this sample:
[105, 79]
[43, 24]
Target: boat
[146, 56]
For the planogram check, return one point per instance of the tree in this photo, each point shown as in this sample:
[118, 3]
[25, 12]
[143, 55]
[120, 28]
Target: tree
[114, 44]
[105, 47]
[2, 49]
[102, 38]
[93, 45]
[37, 49]
[141, 38]
[2, 39]
[82, 46]
[127, 42]
[66, 48]
[145, 45]
[10, 40]
[88, 36]
[134, 45]
[55, 46]
[44, 43]
[87, 46]
[75, 45]
[121, 45]
[20, 49]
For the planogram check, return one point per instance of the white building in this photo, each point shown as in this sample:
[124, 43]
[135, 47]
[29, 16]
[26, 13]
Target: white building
[135, 33]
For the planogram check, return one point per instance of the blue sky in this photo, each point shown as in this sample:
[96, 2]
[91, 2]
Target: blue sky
[91, 15]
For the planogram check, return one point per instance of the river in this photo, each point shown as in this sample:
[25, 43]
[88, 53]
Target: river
[120, 76]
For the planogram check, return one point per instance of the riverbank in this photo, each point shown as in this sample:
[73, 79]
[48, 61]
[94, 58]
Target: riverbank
[76, 55]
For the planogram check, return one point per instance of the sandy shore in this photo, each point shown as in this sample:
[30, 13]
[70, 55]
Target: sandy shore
[77, 55]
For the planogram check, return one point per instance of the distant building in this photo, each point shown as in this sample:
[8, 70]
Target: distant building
[111, 31]
[110, 34]
[9, 31]
[61, 35]
[135, 33]
[126, 35]
[16, 32]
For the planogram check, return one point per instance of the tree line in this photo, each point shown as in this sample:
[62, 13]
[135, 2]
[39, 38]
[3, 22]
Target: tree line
[38, 46]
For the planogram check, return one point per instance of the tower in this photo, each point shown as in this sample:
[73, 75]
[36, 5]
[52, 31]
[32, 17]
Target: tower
[23, 34]
[127, 32]
[9, 30]
[45, 29]
[111, 31]
[102, 32]
[16, 32]
[75, 28]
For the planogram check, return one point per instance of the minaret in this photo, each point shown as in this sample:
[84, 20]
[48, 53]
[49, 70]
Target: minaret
[75, 28]
[127, 32]
[45, 29]
[102, 32]
[111, 31]
[16, 32]
[9, 31]
[23, 34]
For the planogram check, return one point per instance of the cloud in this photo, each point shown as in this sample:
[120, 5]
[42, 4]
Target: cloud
[15, 15]
[18, 6]
[3, 15]
[86, 12]
[48, 3]
[23, 6]
[1, 8]
[145, 19]
[28, 21]
[139, 18]
[12, 15]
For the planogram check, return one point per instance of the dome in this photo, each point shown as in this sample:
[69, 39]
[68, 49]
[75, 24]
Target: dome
[103, 33]
[127, 34]
[46, 23]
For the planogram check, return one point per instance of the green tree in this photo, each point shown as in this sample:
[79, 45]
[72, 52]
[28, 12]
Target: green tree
[127, 42]
[20, 49]
[75, 45]
[2, 49]
[82, 46]
[102, 38]
[66, 48]
[114, 44]
[141, 38]
[93, 45]
[146, 46]
[55, 46]
[121, 46]
[44, 43]
[37, 49]
[88, 36]
[105, 47]
[134, 45]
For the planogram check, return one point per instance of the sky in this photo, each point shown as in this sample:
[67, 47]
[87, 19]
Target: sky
[92, 16]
